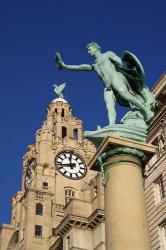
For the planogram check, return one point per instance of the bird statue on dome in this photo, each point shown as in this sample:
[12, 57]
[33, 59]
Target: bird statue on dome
[58, 89]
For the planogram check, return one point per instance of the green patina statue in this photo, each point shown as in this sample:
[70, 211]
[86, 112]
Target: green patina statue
[58, 89]
[123, 78]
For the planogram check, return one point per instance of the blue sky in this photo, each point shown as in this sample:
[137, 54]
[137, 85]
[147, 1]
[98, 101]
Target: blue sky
[31, 32]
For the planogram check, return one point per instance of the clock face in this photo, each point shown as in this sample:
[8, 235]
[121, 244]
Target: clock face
[70, 165]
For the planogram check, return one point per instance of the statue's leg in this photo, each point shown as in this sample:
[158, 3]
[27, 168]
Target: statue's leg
[109, 99]
[148, 96]
[126, 95]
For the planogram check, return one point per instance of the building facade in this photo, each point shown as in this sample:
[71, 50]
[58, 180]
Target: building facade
[61, 208]
[155, 172]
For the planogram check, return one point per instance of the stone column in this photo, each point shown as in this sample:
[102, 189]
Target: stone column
[126, 222]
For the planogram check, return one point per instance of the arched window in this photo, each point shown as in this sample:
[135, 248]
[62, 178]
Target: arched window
[63, 113]
[64, 132]
[75, 133]
[69, 195]
[39, 209]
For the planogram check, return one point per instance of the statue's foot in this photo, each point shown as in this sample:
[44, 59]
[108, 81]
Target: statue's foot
[98, 127]
[111, 124]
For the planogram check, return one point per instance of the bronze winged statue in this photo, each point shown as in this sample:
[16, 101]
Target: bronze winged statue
[123, 78]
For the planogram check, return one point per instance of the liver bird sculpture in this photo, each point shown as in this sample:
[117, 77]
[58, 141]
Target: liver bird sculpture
[58, 89]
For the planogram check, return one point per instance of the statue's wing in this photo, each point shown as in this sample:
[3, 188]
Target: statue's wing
[133, 61]
[133, 71]
[61, 87]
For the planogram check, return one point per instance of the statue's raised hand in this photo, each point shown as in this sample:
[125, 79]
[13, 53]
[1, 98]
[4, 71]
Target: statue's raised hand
[59, 62]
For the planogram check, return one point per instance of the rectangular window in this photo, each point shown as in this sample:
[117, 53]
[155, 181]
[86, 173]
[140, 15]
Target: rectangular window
[68, 242]
[75, 133]
[45, 185]
[39, 209]
[53, 231]
[163, 235]
[38, 230]
[159, 188]
[69, 195]
[64, 132]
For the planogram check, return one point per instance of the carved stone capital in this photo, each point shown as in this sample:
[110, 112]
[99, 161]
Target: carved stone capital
[121, 149]
[102, 160]
[125, 150]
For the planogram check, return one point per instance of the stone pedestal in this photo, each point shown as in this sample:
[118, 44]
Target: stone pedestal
[122, 162]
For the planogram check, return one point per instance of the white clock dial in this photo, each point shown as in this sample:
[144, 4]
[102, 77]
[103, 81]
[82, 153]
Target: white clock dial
[70, 165]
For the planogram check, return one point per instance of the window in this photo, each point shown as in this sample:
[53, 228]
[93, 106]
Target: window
[75, 132]
[163, 235]
[64, 132]
[45, 185]
[39, 195]
[39, 209]
[155, 142]
[69, 195]
[95, 190]
[68, 242]
[38, 230]
[63, 113]
[159, 188]
[53, 231]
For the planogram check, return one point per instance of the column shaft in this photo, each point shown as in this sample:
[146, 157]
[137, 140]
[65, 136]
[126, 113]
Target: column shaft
[126, 222]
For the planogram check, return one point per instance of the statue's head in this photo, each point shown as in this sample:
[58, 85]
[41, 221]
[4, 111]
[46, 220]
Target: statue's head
[93, 48]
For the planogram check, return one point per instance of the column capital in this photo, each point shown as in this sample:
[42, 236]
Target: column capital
[115, 145]
[123, 151]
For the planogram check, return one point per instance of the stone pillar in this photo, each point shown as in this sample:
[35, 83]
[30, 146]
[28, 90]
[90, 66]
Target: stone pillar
[122, 163]
[126, 224]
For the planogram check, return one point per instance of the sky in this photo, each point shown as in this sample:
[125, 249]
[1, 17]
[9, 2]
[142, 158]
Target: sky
[30, 34]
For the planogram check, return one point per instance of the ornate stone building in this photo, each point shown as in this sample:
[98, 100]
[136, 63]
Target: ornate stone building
[52, 211]
[155, 173]
[59, 208]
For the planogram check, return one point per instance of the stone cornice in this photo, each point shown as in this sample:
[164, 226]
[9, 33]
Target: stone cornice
[72, 221]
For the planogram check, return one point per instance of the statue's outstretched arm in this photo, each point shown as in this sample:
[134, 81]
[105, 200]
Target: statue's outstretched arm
[84, 67]
[61, 65]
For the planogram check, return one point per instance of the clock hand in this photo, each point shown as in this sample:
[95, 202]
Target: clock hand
[71, 165]
[70, 157]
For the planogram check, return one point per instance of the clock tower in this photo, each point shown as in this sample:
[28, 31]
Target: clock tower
[55, 174]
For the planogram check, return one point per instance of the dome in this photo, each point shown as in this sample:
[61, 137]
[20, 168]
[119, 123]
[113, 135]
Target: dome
[59, 100]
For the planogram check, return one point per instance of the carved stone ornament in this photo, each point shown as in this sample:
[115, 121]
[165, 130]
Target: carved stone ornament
[118, 151]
